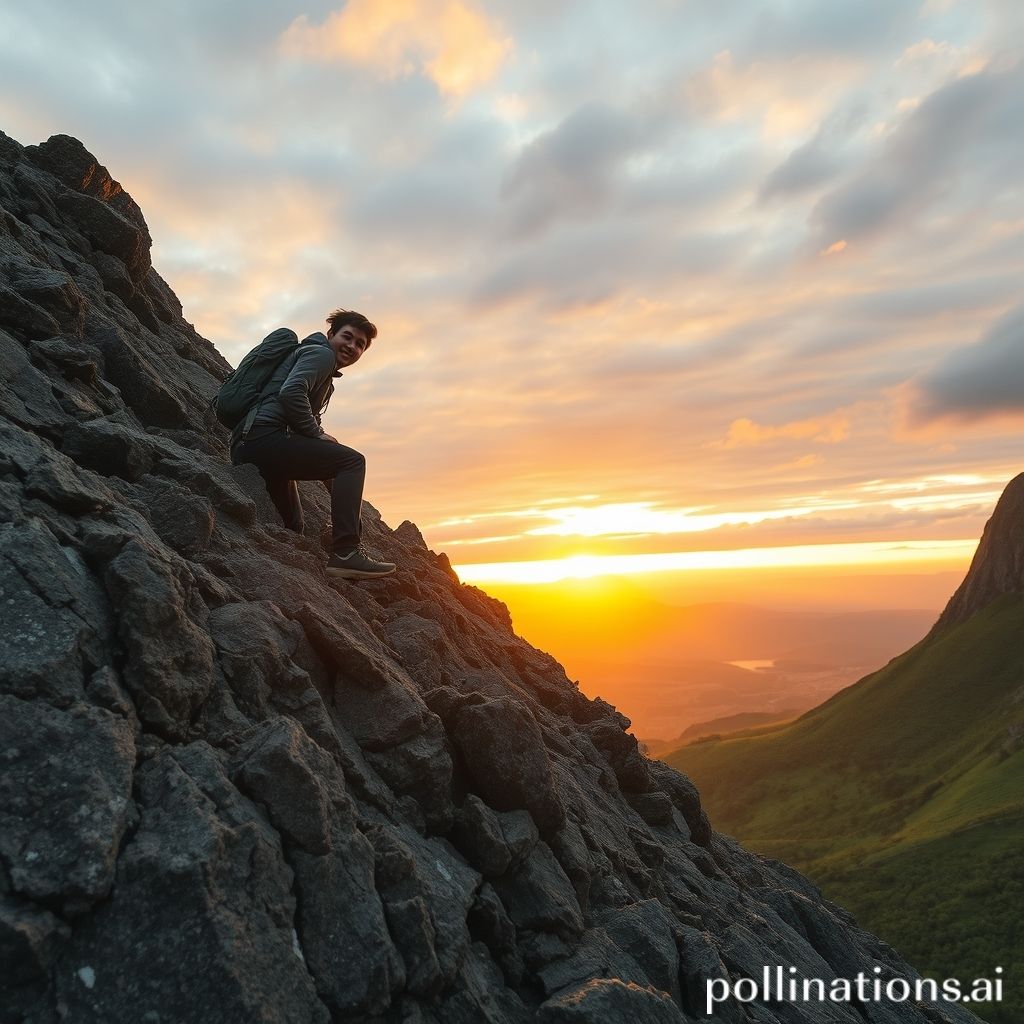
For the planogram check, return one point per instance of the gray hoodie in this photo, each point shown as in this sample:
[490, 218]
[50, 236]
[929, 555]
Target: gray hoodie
[300, 388]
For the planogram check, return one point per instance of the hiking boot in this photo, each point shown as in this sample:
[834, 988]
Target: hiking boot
[356, 566]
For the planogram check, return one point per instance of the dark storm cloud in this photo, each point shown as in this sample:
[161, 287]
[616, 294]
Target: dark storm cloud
[961, 129]
[977, 382]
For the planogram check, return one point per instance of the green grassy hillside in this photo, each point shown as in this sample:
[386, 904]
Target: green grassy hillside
[902, 796]
[951, 905]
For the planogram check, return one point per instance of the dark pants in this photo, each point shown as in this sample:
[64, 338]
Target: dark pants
[284, 457]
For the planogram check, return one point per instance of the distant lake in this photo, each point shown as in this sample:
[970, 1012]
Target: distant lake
[754, 666]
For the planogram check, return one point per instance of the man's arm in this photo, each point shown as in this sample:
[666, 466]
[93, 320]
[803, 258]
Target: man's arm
[313, 368]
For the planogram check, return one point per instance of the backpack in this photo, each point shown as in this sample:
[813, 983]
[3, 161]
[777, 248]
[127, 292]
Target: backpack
[245, 387]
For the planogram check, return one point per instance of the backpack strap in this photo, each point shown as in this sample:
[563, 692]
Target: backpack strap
[269, 389]
[250, 418]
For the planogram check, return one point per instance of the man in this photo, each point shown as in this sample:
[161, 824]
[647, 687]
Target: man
[286, 442]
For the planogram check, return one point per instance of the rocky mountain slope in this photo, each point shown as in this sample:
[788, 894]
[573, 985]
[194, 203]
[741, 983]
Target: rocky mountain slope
[234, 792]
[997, 568]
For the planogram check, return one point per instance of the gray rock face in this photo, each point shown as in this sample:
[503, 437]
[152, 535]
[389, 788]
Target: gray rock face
[503, 748]
[62, 817]
[234, 791]
[998, 565]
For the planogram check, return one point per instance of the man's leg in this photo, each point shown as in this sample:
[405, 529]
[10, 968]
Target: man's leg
[285, 457]
[346, 499]
[285, 496]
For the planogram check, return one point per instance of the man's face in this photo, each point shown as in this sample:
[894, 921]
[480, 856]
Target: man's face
[349, 343]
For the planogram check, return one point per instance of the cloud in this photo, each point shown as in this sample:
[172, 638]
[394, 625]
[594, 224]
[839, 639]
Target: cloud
[979, 382]
[570, 171]
[596, 262]
[449, 41]
[784, 97]
[818, 160]
[800, 27]
[824, 430]
[962, 129]
[589, 250]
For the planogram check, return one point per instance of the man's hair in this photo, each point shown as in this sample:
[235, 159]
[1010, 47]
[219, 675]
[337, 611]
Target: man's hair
[350, 318]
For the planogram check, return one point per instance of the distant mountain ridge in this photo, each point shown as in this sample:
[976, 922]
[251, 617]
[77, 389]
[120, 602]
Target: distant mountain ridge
[672, 666]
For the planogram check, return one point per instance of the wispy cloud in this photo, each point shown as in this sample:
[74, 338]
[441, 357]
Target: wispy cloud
[453, 43]
[711, 259]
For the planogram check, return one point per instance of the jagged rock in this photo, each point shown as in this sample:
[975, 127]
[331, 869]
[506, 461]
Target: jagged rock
[54, 621]
[215, 482]
[410, 921]
[168, 681]
[105, 690]
[242, 777]
[570, 848]
[480, 996]
[52, 290]
[610, 1001]
[539, 896]
[700, 962]
[998, 565]
[403, 741]
[50, 475]
[504, 752]
[648, 932]
[74, 363]
[300, 786]
[421, 644]
[596, 956]
[361, 660]
[64, 800]
[685, 798]
[201, 916]
[29, 940]
[114, 275]
[520, 833]
[136, 380]
[489, 921]
[182, 519]
[410, 866]
[23, 317]
[623, 754]
[253, 643]
[478, 833]
[27, 396]
[109, 448]
[654, 808]
[108, 230]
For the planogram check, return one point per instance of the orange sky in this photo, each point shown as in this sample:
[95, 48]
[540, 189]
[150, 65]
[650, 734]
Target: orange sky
[684, 283]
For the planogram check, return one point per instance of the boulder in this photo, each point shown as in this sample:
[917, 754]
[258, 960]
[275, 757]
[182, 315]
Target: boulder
[151, 597]
[201, 918]
[609, 1001]
[503, 750]
[539, 896]
[65, 800]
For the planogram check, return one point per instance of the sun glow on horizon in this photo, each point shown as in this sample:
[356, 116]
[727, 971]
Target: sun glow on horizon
[586, 566]
[591, 518]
